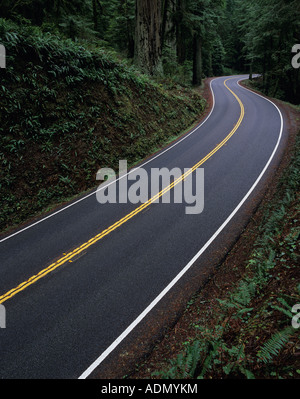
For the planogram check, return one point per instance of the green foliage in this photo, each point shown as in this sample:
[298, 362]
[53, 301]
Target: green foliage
[235, 36]
[185, 364]
[269, 29]
[71, 103]
[275, 344]
[205, 355]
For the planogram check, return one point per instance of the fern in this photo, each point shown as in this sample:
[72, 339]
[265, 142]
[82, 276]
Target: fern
[211, 357]
[247, 373]
[192, 359]
[245, 293]
[285, 310]
[185, 364]
[241, 298]
[274, 345]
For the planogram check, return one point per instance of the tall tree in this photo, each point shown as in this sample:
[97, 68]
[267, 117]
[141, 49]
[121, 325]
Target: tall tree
[182, 29]
[168, 25]
[204, 17]
[148, 36]
[97, 8]
[269, 29]
[121, 30]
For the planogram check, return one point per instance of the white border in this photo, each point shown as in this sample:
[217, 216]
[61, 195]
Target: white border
[100, 359]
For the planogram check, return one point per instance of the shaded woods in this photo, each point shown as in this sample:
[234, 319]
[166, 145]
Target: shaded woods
[185, 40]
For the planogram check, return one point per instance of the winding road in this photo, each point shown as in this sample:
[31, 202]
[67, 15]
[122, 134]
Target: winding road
[78, 282]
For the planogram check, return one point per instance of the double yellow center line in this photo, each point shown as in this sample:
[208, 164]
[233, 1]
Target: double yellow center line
[69, 257]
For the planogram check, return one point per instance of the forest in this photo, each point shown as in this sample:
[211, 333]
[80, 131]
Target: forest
[123, 75]
[185, 40]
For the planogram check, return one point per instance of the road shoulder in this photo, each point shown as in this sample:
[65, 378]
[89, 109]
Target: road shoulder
[162, 337]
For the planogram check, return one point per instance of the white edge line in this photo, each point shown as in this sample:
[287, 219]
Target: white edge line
[106, 185]
[100, 359]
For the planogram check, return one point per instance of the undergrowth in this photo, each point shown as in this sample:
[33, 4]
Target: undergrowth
[69, 108]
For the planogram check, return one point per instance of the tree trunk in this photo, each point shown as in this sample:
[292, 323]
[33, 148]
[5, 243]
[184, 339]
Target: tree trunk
[251, 71]
[164, 21]
[97, 10]
[168, 26]
[180, 45]
[148, 48]
[197, 60]
[124, 9]
[95, 15]
[210, 64]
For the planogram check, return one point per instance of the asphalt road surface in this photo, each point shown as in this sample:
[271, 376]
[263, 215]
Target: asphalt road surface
[79, 281]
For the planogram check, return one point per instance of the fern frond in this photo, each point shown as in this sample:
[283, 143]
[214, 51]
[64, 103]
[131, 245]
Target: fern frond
[249, 375]
[274, 345]
[245, 293]
[191, 360]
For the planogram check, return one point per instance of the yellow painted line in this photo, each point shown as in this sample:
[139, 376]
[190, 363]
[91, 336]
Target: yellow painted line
[71, 255]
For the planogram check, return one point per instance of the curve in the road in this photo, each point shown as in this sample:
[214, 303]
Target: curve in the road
[130, 328]
[59, 326]
[77, 251]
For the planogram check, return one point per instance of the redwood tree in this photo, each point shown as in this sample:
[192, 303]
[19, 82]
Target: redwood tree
[148, 36]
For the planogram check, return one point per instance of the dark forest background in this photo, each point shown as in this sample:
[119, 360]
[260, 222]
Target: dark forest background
[90, 82]
[185, 40]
